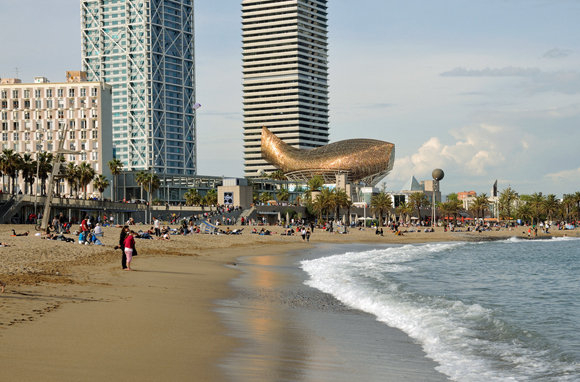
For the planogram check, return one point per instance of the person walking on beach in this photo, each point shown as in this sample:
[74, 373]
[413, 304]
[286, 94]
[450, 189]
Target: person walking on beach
[130, 249]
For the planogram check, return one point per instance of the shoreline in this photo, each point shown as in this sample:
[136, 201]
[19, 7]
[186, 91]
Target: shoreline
[162, 314]
[309, 334]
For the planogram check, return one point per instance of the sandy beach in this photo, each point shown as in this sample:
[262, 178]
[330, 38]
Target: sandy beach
[70, 313]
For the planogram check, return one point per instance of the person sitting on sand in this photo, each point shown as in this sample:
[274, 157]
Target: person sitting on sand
[98, 231]
[19, 234]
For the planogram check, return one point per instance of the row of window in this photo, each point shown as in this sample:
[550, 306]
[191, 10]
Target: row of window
[49, 103]
[49, 125]
[48, 92]
[48, 114]
[40, 136]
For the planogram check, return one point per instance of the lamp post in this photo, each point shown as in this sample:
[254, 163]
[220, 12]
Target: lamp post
[437, 175]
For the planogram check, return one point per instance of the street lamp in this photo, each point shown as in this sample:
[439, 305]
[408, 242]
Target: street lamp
[437, 175]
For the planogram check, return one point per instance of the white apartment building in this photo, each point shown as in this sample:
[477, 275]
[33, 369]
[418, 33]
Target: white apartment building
[34, 117]
[285, 75]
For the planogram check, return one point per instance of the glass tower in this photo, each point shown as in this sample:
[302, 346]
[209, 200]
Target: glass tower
[145, 50]
[285, 68]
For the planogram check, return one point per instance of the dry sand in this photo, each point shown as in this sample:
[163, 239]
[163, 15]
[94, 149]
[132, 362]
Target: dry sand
[70, 313]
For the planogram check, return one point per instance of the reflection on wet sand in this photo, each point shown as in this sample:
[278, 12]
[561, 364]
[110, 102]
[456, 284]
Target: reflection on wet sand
[293, 333]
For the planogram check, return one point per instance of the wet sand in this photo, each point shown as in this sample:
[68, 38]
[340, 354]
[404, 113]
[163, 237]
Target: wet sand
[291, 332]
[70, 313]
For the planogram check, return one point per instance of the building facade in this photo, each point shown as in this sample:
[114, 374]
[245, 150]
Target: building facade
[145, 50]
[285, 76]
[35, 116]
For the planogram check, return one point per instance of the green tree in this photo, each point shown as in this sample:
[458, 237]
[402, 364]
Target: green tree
[10, 165]
[86, 174]
[381, 203]
[277, 175]
[28, 169]
[71, 174]
[101, 183]
[44, 160]
[116, 166]
[324, 202]
[282, 195]
[192, 197]
[341, 200]
[507, 199]
[536, 202]
[404, 210]
[210, 197]
[418, 200]
[551, 206]
[141, 177]
[264, 197]
[479, 205]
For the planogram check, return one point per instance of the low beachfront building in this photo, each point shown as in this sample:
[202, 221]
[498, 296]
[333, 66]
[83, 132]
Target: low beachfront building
[35, 116]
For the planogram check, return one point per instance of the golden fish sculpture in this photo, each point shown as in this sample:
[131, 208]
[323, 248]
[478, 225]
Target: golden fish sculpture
[363, 160]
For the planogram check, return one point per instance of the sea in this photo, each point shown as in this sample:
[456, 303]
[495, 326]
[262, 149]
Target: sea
[482, 311]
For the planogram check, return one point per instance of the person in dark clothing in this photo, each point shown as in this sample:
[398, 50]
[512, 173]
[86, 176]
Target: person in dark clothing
[122, 236]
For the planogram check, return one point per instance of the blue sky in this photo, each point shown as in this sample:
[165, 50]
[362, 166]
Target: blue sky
[483, 89]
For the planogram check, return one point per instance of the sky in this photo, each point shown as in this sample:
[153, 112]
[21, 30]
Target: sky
[484, 89]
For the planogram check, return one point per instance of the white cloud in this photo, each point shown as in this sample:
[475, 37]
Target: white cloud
[557, 53]
[536, 80]
[564, 175]
[476, 150]
[508, 71]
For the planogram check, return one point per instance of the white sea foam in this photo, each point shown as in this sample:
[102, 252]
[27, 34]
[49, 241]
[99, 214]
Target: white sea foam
[446, 329]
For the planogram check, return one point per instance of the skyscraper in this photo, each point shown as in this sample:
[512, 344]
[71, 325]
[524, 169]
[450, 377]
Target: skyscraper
[285, 67]
[145, 50]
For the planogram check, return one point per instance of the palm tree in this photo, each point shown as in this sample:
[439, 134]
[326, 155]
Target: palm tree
[506, 202]
[44, 160]
[141, 178]
[418, 200]
[86, 174]
[101, 183]
[71, 174]
[282, 195]
[480, 204]
[324, 202]
[380, 203]
[28, 168]
[404, 210]
[210, 197]
[192, 197]
[551, 206]
[570, 206]
[536, 202]
[342, 200]
[116, 166]
[151, 184]
[264, 197]
[314, 184]
[525, 212]
[278, 175]
[10, 166]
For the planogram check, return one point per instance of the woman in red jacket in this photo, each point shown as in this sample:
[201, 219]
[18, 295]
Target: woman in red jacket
[130, 249]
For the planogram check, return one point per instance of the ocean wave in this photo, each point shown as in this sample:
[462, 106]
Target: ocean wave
[465, 339]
